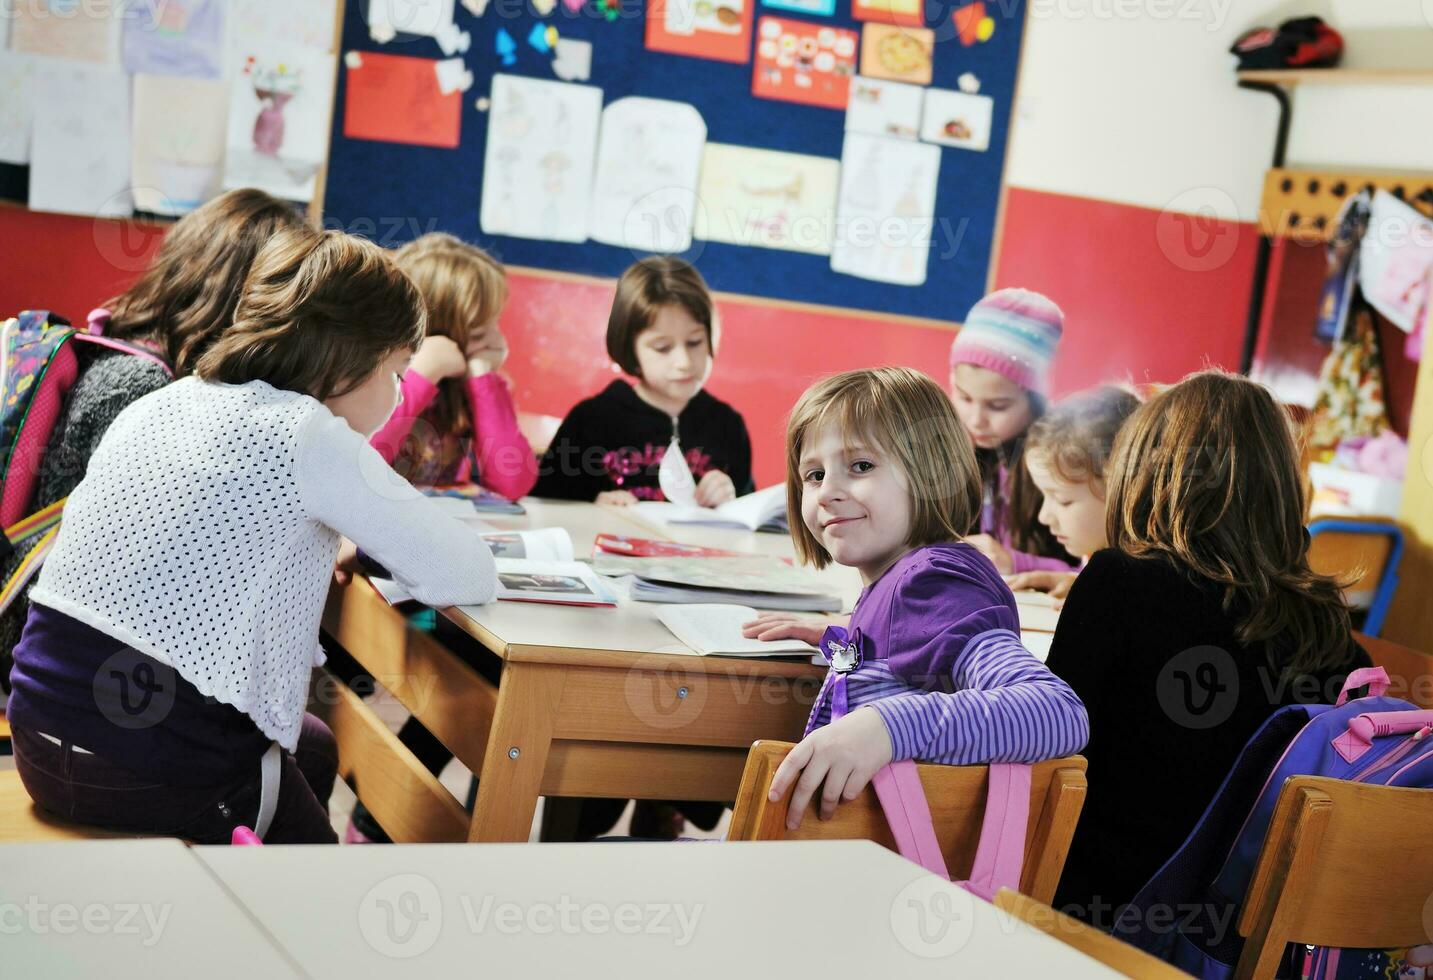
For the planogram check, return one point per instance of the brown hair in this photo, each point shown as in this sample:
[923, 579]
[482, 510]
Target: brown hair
[648, 285]
[319, 312]
[463, 287]
[910, 418]
[186, 298]
[1017, 504]
[1077, 436]
[1205, 475]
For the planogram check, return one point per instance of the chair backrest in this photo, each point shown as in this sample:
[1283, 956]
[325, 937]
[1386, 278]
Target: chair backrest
[1343, 864]
[1100, 946]
[1356, 559]
[956, 795]
[1410, 672]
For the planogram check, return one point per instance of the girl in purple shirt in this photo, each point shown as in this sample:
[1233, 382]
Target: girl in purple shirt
[882, 477]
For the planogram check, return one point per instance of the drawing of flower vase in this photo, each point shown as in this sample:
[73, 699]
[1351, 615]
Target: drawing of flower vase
[275, 88]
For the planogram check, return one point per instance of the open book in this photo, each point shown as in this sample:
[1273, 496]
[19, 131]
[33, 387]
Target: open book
[548, 544]
[566, 583]
[759, 580]
[1037, 611]
[716, 629]
[759, 511]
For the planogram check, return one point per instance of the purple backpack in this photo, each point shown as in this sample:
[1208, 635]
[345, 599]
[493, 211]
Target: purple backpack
[1185, 916]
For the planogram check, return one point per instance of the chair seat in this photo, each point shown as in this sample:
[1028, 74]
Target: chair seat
[21, 821]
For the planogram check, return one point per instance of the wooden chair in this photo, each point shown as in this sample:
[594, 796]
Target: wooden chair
[956, 795]
[5, 748]
[21, 821]
[1410, 671]
[1363, 553]
[1343, 864]
[1099, 946]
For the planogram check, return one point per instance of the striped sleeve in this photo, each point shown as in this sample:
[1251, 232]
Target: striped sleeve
[1006, 707]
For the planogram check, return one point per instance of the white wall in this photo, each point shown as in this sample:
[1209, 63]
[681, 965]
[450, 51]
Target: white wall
[1135, 101]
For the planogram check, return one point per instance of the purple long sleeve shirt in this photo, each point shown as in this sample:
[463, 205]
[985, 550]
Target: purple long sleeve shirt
[942, 663]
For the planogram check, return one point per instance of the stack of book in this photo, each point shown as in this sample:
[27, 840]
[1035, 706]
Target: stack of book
[749, 580]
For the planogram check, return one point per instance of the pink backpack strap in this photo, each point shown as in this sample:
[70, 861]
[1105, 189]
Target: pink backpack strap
[898, 787]
[1375, 677]
[1000, 856]
[98, 322]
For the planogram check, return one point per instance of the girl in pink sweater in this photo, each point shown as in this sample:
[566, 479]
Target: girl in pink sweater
[456, 422]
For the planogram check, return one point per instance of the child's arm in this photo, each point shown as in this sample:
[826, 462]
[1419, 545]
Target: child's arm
[1024, 561]
[506, 463]
[343, 483]
[418, 394]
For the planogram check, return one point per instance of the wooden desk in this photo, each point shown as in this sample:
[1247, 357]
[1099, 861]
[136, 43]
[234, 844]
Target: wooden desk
[592, 702]
[803, 909]
[126, 909]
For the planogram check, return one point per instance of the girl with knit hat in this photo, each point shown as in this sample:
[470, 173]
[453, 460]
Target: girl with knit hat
[999, 381]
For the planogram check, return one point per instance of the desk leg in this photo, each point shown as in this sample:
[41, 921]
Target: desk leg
[516, 756]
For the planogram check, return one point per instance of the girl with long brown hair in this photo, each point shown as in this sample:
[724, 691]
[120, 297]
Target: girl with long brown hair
[1200, 620]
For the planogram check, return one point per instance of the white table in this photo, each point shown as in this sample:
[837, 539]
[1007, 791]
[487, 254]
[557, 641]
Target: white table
[798, 909]
[141, 909]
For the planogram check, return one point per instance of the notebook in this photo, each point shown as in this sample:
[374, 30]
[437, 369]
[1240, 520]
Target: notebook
[715, 629]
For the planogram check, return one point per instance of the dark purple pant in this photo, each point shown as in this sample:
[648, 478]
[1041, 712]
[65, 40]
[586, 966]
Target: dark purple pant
[86, 789]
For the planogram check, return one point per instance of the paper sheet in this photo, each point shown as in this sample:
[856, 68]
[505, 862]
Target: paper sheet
[397, 99]
[178, 142]
[887, 209]
[278, 120]
[307, 23]
[542, 145]
[648, 163]
[957, 119]
[425, 18]
[79, 161]
[901, 54]
[716, 29]
[884, 108]
[798, 61]
[65, 29]
[1394, 261]
[767, 199]
[17, 105]
[175, 37]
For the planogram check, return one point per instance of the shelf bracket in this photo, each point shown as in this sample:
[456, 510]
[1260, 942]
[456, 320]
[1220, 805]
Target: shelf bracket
[1266, 243]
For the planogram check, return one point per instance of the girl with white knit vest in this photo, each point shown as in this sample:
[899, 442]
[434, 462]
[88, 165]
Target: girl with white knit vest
[160, 683]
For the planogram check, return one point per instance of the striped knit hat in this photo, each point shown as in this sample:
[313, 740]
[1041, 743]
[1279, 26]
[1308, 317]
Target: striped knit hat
[1013, 332]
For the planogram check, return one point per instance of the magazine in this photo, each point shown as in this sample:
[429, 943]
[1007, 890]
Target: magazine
[568, 583]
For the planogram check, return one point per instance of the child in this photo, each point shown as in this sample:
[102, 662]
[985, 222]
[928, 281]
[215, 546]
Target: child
[177, 308]
[466, 428]
[881, 477]
[1198, 622]
[1065, 456]
[662, 331]
[175, 625]
[999, 380]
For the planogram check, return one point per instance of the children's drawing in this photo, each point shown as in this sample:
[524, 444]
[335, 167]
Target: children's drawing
[542, 146]
[175, 37]
[17, 104]
[716, 29]
[79, 159]
[957, 119]
[398, 99]
[767, 199]
[178, 150]
[280, 100]
[882, 108]
[803, 62]
[648, 162]
[906, 12]
[82, 30]
[886, 211]
[307, 23]
[901, 54]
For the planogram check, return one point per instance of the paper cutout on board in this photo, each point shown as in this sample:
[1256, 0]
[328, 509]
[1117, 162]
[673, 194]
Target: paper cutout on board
[253, 24]
[544, 8]
[968, 82]
[797, 61]
[767, 199]
[79, 152]
[17, 105]
[883, 108]
[816, 8]
[178, 137]
[177, 37]
[476, 7]
[505, 47]
[649, 160]
[715, 29]
[574, 60]
[904, 12]
[397, 99]
[280, 100]
[901, 54]
[542, 145]
[542, 38]
[453, 40]
[64, 29]
[886, 210]
[453, 76]
[972, 25]
[416, 18]
[957, 119]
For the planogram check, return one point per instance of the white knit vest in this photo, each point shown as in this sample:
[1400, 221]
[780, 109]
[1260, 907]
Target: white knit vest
[205, 530]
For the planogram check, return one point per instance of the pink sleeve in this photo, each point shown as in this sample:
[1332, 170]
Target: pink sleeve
[1026, 562]
[418, 394]
[506, 463]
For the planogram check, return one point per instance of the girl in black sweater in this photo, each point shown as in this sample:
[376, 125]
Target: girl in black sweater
[1200, 620]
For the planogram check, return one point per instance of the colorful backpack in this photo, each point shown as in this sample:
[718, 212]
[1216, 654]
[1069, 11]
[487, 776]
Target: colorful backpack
[1374, 739]
[38, 367]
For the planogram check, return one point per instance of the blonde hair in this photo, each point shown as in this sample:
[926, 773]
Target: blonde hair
[319, 313]
[648, 285]
[1077, 436]
[462, 287]
[186, 298]
[908, 416]
[1205, 475]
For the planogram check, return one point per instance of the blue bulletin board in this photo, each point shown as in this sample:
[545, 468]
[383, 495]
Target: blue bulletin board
[393, 192]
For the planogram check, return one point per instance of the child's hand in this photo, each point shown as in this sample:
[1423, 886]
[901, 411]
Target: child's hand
[995, 551]
[842, 758]
[439, 358]
[617, 498]
[486, 351]
[346, 563]
[789, 626]
[715, 489]
[1056, 583]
